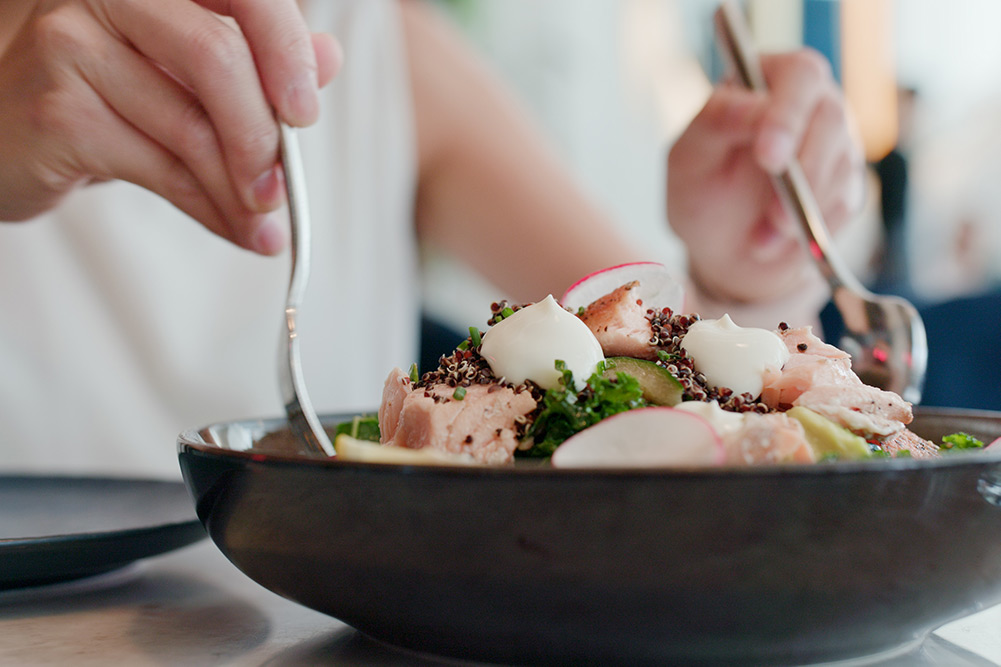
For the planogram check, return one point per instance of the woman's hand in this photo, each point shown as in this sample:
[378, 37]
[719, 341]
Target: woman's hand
[742, 245]
[177, 96]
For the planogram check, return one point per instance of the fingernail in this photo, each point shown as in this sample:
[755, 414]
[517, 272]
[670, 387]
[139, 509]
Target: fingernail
[775, 149]
[302, 104]
[271, 234]
[266, 189]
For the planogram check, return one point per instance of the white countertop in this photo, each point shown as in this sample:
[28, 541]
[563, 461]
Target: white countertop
[192, 607]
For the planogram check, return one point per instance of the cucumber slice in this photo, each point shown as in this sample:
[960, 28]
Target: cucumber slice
[659, 386]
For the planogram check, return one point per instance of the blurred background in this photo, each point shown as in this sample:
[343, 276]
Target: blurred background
[612, 82]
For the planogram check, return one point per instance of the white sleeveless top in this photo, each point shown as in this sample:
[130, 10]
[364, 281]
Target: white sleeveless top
[123, 322]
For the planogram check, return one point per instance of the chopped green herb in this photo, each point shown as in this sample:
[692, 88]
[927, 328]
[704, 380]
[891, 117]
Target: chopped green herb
[459, 393]
[464, 345]
[507, 312]
[362, 427]
[666, 357]
[563, 411]
[960, 440]
[414, 375]
[474, 336]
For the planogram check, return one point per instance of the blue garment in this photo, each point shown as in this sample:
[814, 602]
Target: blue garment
[964, 350]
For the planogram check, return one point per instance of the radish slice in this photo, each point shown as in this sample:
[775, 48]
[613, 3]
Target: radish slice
[657, 287]
[995, 445]
[647, 437]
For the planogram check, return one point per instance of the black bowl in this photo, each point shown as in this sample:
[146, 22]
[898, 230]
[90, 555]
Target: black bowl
[528, 564]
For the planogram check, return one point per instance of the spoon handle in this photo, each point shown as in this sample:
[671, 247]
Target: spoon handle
[792, 186]
[304, 423]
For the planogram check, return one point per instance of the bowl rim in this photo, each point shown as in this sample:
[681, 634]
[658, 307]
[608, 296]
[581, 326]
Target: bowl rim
[199, 440]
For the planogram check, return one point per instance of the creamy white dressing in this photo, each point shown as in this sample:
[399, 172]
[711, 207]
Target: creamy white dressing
[733, 356]
[527, 344]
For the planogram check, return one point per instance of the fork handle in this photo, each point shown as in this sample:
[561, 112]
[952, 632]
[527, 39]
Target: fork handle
[792, 186]
[303, 421]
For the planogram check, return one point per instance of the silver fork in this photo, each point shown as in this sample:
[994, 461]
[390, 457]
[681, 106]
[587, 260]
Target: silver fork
[884, 334]
[304, 423]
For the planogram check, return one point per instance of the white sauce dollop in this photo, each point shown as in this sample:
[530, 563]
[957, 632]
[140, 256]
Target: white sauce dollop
[733, 356]
[526, 345]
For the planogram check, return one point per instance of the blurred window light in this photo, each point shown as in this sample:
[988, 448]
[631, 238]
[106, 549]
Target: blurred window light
[869, 72]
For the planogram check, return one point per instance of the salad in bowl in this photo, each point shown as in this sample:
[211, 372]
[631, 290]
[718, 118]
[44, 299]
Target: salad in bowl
[612, 481]
[616, 374]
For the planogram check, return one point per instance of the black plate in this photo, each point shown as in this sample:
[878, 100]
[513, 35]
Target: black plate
[768, 565]
[60, 528]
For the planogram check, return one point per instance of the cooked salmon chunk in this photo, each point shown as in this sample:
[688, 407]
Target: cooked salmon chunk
[770, 438]
[906, 440]
[618, 320]
[482, 424]
[812, 363]
[860, 408]
[819, 376]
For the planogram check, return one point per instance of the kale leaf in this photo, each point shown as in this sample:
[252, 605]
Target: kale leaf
[960, 440]
[563, 411]
[362, 427]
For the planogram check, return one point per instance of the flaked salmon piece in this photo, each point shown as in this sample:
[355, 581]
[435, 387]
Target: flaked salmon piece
[618, 320]
[796, 338]
[819, 376]
[812, 362]
[395, 390]
[907, 440]
[482, 425]
[768, 438]
[861, 409]
[750, 438]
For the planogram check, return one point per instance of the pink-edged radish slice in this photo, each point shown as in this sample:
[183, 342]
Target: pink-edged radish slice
[995, 445]
[644, 438]
[657, 286]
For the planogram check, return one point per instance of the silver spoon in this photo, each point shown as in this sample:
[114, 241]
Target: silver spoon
[304, 423]
[884, 334]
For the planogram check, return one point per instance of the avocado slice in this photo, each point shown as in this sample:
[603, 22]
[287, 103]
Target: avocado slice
[658, 385]
[828, 439]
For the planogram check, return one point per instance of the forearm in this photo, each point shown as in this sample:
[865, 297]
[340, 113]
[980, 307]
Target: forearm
[491, 190]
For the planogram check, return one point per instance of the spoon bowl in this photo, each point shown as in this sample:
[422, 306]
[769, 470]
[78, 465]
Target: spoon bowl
[886, 339]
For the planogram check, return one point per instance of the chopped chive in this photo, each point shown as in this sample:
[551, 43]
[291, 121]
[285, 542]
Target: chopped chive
[666, 357]
[474, 335]
[459, 393]
[507, 312]
[464, 345]
[414, 375]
